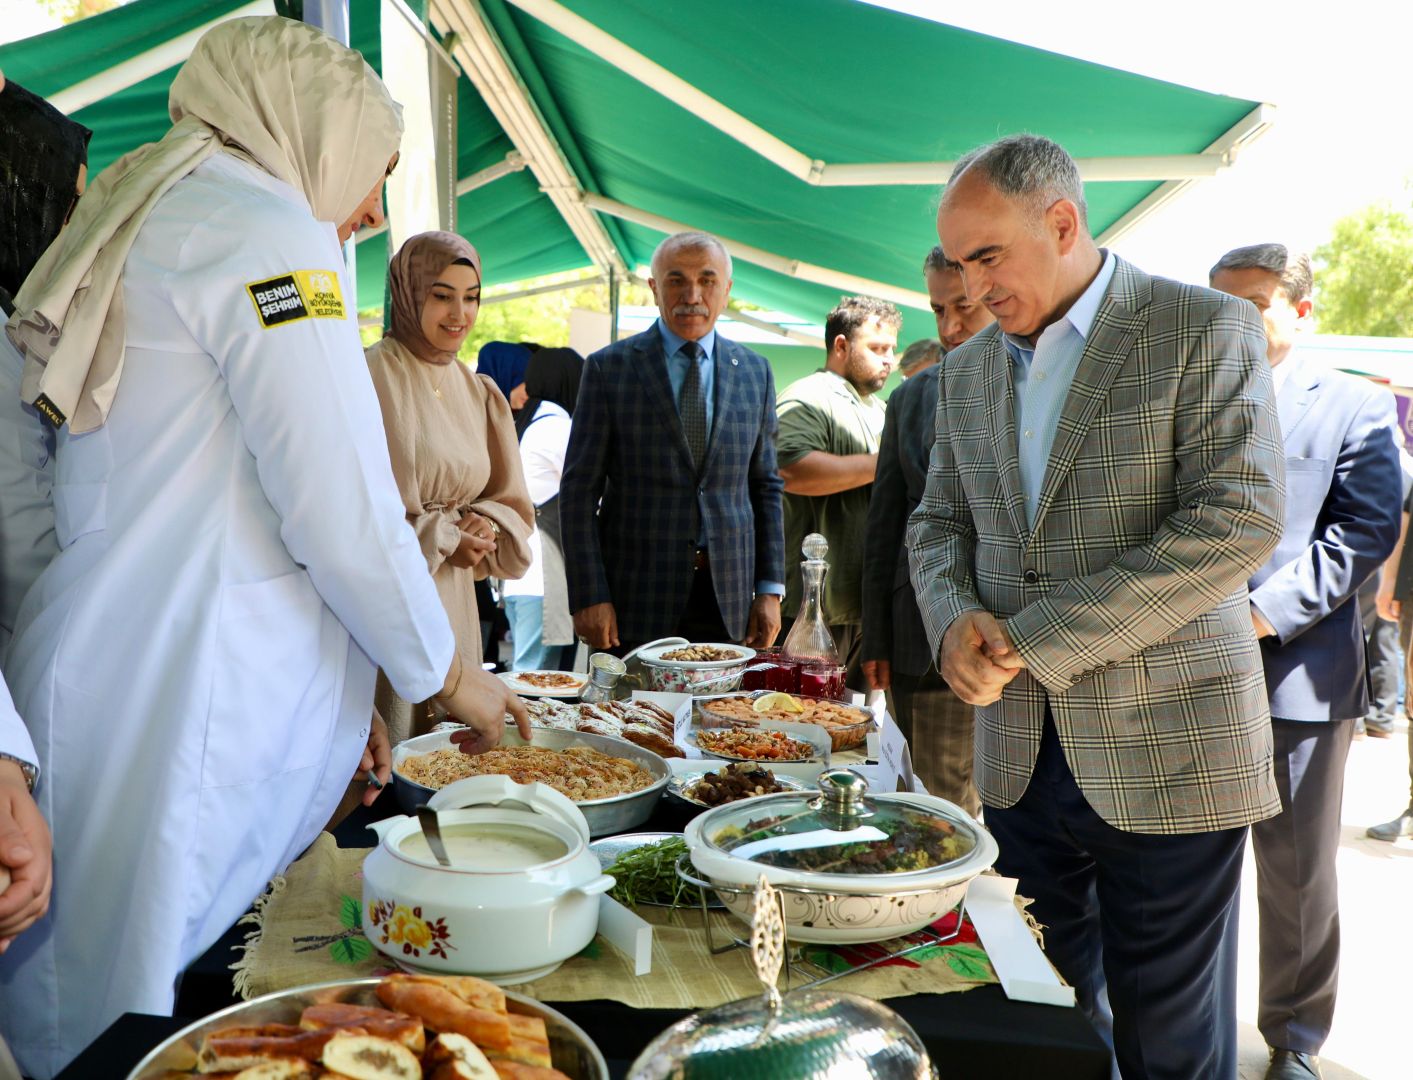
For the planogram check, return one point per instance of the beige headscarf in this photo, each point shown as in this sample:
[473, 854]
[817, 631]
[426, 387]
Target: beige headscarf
[277, 92]
[410, 277]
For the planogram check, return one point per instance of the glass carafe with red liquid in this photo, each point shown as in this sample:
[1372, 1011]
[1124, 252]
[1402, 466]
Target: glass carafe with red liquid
[810, 645]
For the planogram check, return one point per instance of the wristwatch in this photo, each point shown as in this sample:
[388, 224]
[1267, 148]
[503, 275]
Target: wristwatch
[31, 773]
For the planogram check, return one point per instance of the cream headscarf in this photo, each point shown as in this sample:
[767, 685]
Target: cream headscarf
[279, 93]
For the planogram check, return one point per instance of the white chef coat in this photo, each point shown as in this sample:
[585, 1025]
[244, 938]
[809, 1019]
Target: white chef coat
[196, 664]
[27, 541]
[542, 450]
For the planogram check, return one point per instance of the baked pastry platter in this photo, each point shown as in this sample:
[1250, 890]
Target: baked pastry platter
[551, 684]
[402, 1027]
[848, 726]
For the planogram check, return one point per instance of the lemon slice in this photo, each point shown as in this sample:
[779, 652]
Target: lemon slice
[783, 702]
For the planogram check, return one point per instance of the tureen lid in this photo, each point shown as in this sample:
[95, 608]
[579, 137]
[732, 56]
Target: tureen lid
[805, 1035]
[495, 790]
[841, 830]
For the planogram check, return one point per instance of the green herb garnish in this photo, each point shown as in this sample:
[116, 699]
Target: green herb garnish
[648, 875]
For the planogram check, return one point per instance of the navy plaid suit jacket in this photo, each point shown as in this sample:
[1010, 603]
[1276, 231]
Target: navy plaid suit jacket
[632, 505]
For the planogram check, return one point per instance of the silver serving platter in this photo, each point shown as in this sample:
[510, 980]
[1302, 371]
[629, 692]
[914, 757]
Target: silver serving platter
[605, 816]
[611, 848]
[818, 740]
[572, 1051]
[678, 786]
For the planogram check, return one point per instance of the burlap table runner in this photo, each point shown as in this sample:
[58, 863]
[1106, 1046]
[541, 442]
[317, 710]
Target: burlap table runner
[308, 930]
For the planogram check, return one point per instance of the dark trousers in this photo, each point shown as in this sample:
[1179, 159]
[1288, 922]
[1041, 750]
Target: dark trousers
[1296, 891]
[700, 620]
[1147, 923]
[938, 726]
[1383, 658]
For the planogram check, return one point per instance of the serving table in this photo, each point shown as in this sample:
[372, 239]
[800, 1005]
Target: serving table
[971, 1033]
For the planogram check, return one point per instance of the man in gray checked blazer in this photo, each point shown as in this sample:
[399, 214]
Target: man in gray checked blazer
[670, 503]
[1107, 475]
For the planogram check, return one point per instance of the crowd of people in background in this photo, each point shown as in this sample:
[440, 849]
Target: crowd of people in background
[1115, 551]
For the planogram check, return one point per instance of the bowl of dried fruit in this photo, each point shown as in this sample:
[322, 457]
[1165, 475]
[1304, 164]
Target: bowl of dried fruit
[695, 667]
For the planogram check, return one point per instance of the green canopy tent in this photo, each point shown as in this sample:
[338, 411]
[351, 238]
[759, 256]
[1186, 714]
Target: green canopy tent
[811, 135]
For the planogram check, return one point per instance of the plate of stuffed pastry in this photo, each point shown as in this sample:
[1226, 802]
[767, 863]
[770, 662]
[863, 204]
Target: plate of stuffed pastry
[401, 1027]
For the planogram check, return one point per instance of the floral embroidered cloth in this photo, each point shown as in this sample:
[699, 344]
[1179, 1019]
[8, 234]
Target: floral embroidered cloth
[308, 929]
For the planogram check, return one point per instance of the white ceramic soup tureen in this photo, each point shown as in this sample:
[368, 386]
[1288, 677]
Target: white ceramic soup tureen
[520, 897]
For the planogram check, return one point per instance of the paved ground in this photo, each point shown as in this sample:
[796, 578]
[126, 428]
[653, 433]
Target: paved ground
[1372, 1037]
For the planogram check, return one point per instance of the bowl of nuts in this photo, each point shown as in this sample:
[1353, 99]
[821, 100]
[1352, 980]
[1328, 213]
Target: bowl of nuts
[695, 668]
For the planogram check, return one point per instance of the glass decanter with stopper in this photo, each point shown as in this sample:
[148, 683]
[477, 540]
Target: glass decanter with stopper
[809, 642]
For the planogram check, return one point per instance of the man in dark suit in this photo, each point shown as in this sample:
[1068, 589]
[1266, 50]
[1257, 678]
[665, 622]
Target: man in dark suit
[670, 502]
[1107, 475]
[895, 654]
[1343, 488]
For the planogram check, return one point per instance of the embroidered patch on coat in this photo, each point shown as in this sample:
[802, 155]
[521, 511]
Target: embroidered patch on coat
[300, 294]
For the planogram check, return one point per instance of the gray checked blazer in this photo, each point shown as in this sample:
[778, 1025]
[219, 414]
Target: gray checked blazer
[1164, 492]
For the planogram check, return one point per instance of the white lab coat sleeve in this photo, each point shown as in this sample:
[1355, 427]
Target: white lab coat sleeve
[27, 539]
[14, 736]
[310, 417]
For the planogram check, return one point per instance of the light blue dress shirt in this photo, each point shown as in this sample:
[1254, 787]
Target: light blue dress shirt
[677, 368]
[1042, 376]
[706, 368]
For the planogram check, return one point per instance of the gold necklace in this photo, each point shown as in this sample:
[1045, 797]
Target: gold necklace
[446, 369]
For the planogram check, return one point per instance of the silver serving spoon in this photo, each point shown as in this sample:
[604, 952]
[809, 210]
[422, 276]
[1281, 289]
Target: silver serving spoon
[427, 818]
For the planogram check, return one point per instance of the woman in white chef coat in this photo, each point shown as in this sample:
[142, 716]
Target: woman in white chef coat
[196, 665]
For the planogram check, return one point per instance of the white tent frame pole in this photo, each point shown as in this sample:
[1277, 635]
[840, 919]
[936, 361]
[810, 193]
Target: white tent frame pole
[1235, 139]
[653, 75]
[813, 171]
[540, 290]
[775, 328]
[803, 271]
[145, 64]
[513, 163]
[482, 58]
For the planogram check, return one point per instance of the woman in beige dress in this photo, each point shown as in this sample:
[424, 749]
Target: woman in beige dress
[452, 441]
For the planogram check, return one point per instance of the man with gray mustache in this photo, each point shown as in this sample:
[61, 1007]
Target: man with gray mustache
[670, 503]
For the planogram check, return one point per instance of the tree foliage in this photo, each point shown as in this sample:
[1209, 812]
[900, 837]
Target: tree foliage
[1364, 274]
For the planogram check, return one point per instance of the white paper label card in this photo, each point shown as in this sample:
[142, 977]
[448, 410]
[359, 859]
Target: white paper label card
[894, 755]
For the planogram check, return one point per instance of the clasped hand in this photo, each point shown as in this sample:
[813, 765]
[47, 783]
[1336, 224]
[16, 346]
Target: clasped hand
[978, 659]
[477, 541]
[25, 851]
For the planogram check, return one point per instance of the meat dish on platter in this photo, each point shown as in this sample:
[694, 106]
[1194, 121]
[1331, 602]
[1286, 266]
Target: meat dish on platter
[640, 722]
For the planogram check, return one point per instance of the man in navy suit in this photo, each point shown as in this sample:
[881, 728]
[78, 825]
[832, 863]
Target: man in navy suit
[1343, 489]
[670, 502]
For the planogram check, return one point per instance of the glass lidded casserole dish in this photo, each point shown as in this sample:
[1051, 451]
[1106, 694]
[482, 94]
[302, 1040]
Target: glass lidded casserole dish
[851, 867]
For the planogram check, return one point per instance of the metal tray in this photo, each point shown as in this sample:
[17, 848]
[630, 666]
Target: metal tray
[572, 1051]
[611, 848]
[605, 816]
[813, 735]
[680, 782]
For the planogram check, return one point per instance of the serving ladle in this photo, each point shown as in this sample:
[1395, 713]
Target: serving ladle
[432, 830]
